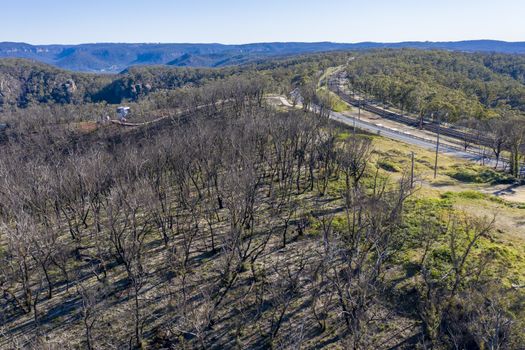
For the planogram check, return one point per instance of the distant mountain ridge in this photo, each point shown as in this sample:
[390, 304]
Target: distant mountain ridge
[115, 57]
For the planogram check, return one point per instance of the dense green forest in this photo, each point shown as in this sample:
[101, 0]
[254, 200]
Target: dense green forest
[425, 82]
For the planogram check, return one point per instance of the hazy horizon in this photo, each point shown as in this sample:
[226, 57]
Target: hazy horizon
[239, 22]
[248, 43]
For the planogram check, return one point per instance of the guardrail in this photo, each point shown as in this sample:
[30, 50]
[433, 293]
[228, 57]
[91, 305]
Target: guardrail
[502, 162]
[430, 126]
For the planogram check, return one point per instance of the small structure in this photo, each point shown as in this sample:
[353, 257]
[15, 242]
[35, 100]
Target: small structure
[123, 113]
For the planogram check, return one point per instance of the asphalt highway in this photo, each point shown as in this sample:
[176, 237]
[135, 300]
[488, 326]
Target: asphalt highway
[413, 140]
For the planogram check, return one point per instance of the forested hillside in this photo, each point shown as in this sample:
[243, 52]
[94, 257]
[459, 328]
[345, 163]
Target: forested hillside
[115, 57]
[237, 225]
[423, 82]
[23, 82]
[229, 217]
[458, 84]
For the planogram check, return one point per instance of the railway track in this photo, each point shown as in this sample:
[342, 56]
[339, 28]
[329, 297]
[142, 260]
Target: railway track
[426, 125]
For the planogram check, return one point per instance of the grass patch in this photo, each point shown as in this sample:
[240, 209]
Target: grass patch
[508, 260]
[388, 166]
[473, 195]
[338, 105]
[507, 257]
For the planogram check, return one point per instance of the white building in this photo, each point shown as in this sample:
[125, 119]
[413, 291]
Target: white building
[123, 112]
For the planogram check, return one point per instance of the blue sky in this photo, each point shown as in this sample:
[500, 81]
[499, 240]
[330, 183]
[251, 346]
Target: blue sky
[236, 21]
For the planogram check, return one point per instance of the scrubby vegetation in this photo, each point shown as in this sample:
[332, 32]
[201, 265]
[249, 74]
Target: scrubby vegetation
[233, 224]
[478, 174]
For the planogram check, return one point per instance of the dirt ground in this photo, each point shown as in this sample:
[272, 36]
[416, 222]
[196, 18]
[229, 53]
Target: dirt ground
[511, 193]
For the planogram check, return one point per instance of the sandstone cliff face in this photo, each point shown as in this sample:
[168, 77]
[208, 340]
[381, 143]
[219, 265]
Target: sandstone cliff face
[21, 90]
[10, 89]
[24, 82]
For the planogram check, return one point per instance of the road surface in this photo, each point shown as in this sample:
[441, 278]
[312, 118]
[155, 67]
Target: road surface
[410, 139]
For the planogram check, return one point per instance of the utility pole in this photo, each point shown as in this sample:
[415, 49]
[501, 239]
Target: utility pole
[412, 171]
[437, 150]
[358, 114]
[437, 146]
[353, 118]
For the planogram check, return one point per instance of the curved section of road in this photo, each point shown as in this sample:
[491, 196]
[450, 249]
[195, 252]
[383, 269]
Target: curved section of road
[378, 129]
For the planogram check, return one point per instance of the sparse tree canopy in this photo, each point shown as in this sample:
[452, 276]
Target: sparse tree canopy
[223, 220]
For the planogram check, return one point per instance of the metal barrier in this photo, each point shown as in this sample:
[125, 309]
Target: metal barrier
[430, 126]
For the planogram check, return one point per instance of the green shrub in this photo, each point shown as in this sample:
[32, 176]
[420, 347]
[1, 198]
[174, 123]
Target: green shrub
[464, 195]
[480, 175]
[388, 166]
